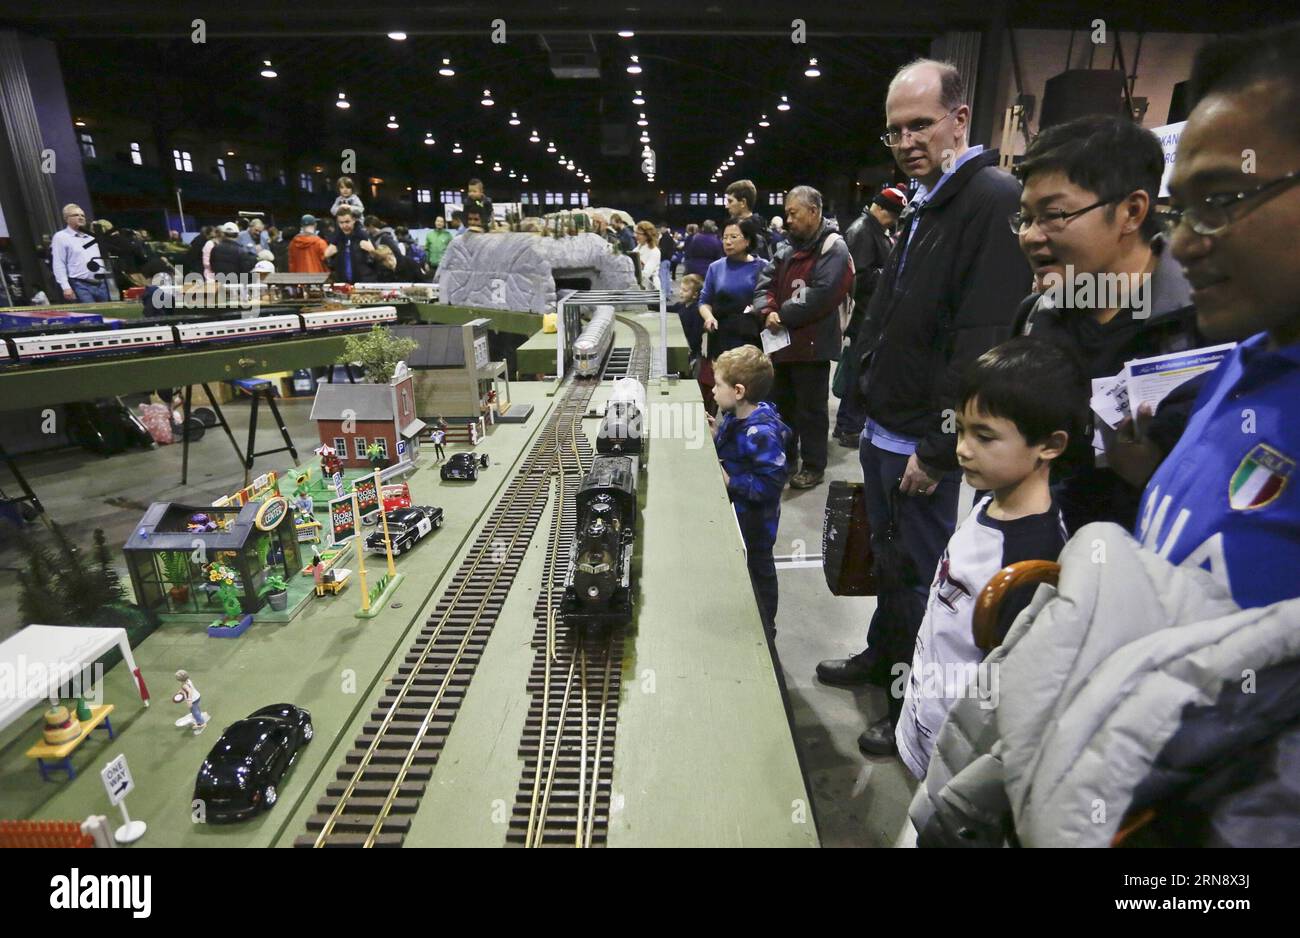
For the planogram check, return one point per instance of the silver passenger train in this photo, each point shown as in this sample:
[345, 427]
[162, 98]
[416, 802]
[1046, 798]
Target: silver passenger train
[161, 336]
[592, 345]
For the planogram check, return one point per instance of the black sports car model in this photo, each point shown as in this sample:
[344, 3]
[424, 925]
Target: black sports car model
[242, 773]
[405, 527]
[464, 466]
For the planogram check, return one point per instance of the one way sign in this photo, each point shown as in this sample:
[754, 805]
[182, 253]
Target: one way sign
[117, 780]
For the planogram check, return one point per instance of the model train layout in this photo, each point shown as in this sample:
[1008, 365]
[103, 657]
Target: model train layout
[622, 429]
[91, 343]
[599, 587]
[591, 347]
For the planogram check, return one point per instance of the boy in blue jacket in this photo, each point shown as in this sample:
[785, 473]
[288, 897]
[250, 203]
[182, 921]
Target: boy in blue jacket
[751, 442]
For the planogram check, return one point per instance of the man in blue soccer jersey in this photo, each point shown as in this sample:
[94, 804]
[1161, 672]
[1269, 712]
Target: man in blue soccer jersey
[1227, 498]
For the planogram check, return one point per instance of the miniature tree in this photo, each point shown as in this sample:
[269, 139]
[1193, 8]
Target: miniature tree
[81, 588]
[378, 351]
[37, 601]
[110, 584]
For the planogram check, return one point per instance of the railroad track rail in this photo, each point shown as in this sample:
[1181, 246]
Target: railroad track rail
[567, 747]
[378, 787]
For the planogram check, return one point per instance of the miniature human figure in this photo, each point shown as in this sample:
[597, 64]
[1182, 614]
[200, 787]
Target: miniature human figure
[439, 437]
[318, 572]
[189, 694]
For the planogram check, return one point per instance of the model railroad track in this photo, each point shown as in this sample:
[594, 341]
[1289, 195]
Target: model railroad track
[378, 787]
[634, 362]
[567, 746]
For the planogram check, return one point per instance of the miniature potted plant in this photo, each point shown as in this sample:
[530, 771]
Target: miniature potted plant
[277, 592]
[177, 566]
[234, 622]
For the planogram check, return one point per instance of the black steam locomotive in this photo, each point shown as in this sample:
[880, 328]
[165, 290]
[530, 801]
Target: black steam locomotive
[598, 589]
[623, 428]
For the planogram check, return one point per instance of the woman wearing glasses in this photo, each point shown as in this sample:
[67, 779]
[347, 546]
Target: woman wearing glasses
[1107, 288]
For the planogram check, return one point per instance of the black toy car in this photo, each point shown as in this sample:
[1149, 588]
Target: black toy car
[464, 466]
[405, 527]
[242, 773]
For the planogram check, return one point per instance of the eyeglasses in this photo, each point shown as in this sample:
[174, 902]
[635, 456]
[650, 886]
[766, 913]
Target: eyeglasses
[1051, 221]
[918, 130]
[1212, 215]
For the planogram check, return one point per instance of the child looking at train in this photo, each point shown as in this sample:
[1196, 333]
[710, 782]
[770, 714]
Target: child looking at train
[1019, 404]
[751, 440]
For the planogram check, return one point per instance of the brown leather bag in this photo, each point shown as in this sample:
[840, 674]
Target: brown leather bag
[846, 541]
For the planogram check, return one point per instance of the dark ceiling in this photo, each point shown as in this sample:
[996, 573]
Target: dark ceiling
[710, 70]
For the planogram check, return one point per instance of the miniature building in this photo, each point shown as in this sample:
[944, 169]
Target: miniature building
[349, 417]
[454, 377]
[307, 287]
[255, 540]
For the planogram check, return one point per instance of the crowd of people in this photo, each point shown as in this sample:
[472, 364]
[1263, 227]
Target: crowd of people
[1165, 679]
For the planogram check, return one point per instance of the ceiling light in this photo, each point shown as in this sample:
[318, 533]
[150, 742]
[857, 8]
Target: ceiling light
[812, 71]
[626, 33]
[534, 138]
[230, 153]
[638, 100]
[784, 105]
[397, 35]
[740, 151]
[487, 99]
[635, 67]
[641, 121]
[523, 178]
[570, 165]
[342, 101]
[496, 167]
[446, 71]
[561, 160]
[267, 70]
[478, 159]
[514, 119]
[80, 123]
[749, 137]
[455, 148]
[392, 122]
[512, 174]
[550, 146]
[428, 137]
[645, 138]
[763, 122]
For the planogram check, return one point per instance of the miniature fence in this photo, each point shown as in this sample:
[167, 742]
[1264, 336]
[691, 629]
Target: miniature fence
[56, 834]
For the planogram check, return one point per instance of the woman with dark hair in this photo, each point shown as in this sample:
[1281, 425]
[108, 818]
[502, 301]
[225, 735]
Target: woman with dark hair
[728, 293]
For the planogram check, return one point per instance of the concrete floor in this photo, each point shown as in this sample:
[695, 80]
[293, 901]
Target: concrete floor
[859, 801]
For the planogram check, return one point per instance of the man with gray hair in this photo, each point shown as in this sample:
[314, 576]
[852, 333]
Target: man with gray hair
[250, 239]
[948, 294]
[77, 261]
[800, 291]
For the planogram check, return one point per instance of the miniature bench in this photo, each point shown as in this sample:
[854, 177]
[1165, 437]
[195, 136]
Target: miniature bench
[341, 578]
[60, 756]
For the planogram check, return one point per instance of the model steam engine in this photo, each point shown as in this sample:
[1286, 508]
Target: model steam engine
[598, 589]
[623, 428]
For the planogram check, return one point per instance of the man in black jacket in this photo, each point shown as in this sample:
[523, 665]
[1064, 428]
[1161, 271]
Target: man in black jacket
[349, 253]
[948, 294]
[869, 243]
[228, 256]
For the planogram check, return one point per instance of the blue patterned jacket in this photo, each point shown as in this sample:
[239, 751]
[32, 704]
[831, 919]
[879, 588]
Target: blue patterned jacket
[752, 451]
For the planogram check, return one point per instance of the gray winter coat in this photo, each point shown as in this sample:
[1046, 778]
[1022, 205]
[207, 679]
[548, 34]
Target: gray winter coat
[1132, 684]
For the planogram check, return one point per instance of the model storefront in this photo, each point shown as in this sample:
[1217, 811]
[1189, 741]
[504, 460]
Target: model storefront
[175, 548]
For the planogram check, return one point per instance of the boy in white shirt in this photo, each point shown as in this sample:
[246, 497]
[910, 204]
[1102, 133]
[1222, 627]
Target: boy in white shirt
[1018, 406]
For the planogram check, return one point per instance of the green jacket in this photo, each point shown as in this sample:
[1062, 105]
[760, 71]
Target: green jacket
[435, 243]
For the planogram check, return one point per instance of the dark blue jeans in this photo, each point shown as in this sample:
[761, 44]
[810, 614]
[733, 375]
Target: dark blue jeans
[925, 524]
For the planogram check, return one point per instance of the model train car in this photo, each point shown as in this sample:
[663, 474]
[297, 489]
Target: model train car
[623, 428]
[598, 589]
[93, 343]
[592, 346]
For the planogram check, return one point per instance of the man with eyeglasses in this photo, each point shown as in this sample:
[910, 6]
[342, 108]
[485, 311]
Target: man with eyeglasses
[947, 295]
[78, 264]
[1227, 498]
[1087, 216]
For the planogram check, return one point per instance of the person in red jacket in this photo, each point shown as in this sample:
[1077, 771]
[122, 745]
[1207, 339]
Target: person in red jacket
[307, 249]
[799, 294]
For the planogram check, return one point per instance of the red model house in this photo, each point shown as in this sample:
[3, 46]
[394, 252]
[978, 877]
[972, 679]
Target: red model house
[349, 417]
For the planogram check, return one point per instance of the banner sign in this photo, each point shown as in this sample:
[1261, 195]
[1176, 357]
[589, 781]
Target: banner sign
[1169, 135]
[343, 523]
[367, 497]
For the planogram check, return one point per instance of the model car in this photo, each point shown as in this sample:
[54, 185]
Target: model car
[464, 466]
[242, 774]
[397, 496]
[405, 527]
